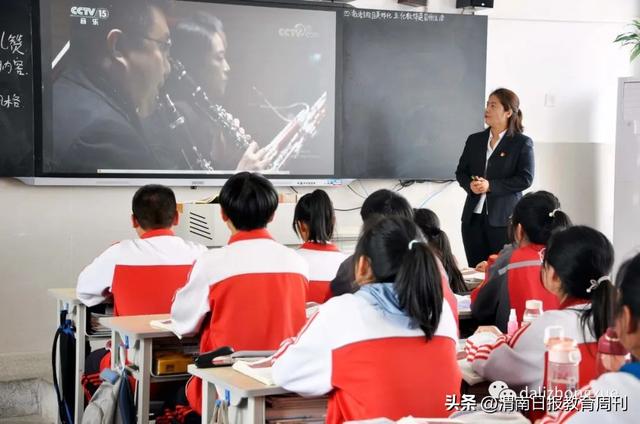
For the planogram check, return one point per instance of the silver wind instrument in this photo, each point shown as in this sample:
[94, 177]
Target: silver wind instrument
[214, 112]
[289, 141]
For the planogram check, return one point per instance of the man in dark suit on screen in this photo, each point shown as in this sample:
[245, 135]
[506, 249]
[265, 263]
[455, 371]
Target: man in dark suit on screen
[119, 63]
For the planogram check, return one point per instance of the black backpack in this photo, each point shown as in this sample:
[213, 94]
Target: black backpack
[65, 337]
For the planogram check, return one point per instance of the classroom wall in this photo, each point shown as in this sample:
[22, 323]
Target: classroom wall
[557, 55]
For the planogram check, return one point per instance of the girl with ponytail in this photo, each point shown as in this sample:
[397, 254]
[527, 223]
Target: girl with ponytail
[313, 221]
[626, 382]
[429, 224]
[514, 277]
[361, 347]
[576, 268]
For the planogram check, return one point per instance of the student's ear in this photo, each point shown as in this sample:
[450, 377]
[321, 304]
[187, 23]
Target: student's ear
[224, 216]
[551, 280]
[271, 218]
[114, 46]
[176, 218]
[134, 221]
[363, 271]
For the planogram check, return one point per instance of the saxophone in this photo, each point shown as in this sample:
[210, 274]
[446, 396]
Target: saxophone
[214, 112]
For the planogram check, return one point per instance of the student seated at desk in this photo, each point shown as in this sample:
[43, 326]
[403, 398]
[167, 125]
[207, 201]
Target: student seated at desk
[514, 277]
[626, 382]
[576, 268]
[389, 350]
[381, 202]
[429, 224]
[250, 294]
[142, 274]
[313, 221]
[139, 275]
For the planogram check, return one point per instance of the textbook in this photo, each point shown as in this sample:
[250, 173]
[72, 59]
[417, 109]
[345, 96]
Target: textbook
[164, 324]
[259, 370]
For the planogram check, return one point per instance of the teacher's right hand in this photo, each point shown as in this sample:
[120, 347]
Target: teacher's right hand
[476, 187]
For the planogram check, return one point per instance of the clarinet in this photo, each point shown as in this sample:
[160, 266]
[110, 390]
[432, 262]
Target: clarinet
[190, 153]
[214, 112]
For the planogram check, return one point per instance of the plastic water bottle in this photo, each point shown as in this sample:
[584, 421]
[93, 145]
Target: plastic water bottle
[533, 309]
[611, 353]
[563, 371]
[512, 325]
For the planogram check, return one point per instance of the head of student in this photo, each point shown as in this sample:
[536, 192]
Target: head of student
[576, 268]
[387, 203]
[248, 201]
[128, 48]
[392, 250]
[314, 217]
[503, 112]
[200, 44]
[154, 207]
[429, 224]
[536, 216]
[627, 310]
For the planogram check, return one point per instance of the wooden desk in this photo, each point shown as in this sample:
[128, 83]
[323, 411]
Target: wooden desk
[246, 395]
[77, 311]
[140, 335]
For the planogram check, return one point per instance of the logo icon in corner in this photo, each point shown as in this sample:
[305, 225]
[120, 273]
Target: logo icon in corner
[499, 390]
[298, 31]
[89, 14]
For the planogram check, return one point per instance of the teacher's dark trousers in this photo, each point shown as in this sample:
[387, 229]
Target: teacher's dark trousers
[481, 239]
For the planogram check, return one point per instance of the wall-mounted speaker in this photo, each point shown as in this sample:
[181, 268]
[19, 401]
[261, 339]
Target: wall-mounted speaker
[474, 3]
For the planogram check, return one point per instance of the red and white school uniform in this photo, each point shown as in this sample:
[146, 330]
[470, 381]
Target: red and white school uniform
[142, 274]
[520, 360]
[619, 387]
[324, 259]
[374, 364]
[512, 279]
[255, 290]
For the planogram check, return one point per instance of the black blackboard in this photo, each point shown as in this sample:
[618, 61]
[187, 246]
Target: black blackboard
[413, 90]
[16, 89]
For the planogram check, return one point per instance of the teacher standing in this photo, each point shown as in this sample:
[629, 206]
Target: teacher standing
[496, 165]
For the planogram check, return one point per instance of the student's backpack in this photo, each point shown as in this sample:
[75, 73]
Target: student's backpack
[65, 387]
[113, 401]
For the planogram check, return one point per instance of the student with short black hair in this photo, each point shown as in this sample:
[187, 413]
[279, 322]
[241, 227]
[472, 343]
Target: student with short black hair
[429, 224]
[120, 270]
[381, 202]
[576, 267]
[624, 384]
[389, 350]
[139, 275]
[253, 290]
[514, 277]
[314, 221]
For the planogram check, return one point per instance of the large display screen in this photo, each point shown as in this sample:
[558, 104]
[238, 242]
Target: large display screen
[185, 88]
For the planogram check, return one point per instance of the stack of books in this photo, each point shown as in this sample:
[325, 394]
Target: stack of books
[295, 409]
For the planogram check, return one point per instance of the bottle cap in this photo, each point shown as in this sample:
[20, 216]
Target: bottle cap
[512, 315]
[609, 343]
[565, 352]
[533, 304]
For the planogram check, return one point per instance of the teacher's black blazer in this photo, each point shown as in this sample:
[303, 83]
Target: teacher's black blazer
[510, 170]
